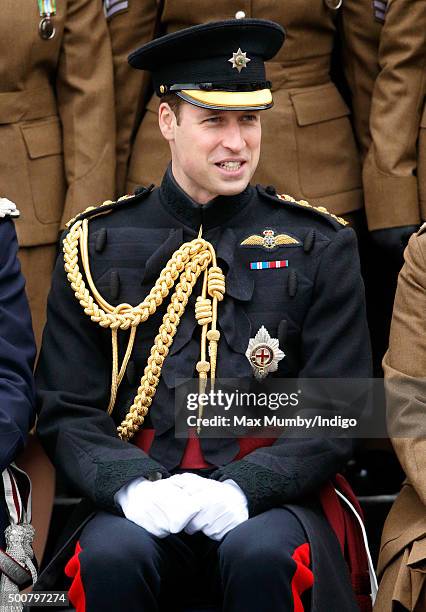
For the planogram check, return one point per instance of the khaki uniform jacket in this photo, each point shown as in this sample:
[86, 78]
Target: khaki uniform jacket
[402, 562]
[308, 145]
[56, 115]
[385, 60]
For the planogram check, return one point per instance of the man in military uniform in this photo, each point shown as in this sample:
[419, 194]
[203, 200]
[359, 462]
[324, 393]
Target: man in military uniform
[403, 548]
[17, 354]
[244, 526]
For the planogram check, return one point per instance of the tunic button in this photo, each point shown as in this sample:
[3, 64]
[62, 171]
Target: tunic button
[240, 15]
[101, 239]
[114, 284]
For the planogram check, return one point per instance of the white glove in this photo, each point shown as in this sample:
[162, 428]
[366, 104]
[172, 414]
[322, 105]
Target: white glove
[161, 507]
[223, 505]
[8, 208]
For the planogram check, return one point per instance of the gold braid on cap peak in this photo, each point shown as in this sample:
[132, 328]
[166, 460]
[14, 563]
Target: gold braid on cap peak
[184, 267]
[305, 204]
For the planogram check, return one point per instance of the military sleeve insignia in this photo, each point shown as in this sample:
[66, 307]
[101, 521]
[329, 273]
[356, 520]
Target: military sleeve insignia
[380, 8]
[269, 240]
[115, 7]
[8, 208]
[264, 353]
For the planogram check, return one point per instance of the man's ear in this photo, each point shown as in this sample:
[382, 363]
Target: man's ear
[167, 121]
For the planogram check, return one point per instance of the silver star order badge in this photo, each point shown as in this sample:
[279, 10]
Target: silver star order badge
[264, 353]
[239, 60]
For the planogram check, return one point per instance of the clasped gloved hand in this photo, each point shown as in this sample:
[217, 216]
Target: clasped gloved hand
[393, 240]
[223, 505]
[184, 502]
[161, 507]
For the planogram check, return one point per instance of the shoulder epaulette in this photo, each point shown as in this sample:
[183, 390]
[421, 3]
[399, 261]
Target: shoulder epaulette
[320, 210]
[8, 209]
[109, 205]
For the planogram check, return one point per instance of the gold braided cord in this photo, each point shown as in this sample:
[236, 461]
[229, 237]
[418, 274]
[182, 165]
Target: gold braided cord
[204, 316]
[206, 313]
[117, 376]
[203, 310]
[305, 204]
[162, 343]
[185, 265]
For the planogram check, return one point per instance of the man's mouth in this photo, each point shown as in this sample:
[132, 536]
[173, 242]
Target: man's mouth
[230, 166]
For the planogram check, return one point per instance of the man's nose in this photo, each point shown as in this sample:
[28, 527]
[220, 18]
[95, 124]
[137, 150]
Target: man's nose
[233, 137]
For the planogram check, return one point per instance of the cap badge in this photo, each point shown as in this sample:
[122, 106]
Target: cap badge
[264, 353]
[239, 60]
[270, 240]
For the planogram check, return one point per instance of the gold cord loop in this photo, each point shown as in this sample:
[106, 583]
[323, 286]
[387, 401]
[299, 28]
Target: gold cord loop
[216, 283]
[203, 310]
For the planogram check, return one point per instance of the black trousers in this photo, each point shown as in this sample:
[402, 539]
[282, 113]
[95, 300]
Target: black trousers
[261, 565]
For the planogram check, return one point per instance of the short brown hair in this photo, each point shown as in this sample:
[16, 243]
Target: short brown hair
[174, 102]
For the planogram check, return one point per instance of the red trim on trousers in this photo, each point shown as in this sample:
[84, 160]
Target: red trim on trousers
[303, 578]
[76, 593]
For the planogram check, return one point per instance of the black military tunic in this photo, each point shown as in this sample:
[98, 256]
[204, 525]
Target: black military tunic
[17, 354]
[315, 307]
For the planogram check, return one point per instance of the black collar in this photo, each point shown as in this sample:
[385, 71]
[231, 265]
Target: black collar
[190, 213]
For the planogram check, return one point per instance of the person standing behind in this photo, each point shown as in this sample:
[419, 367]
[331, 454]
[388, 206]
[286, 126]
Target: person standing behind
[384, 47]
[17, 353]
[385, 59]
[56, 125]
[309, 148]
[402, 558]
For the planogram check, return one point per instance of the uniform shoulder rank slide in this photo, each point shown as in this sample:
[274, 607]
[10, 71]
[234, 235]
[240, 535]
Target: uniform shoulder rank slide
[8, 209]
[270, 240]
[264, 353]
[114, 7]
[379, 8]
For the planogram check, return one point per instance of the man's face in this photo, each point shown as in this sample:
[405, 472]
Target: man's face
[213, 152]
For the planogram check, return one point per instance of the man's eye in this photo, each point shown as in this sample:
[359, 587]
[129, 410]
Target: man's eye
[249, 117]
[213, 119]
